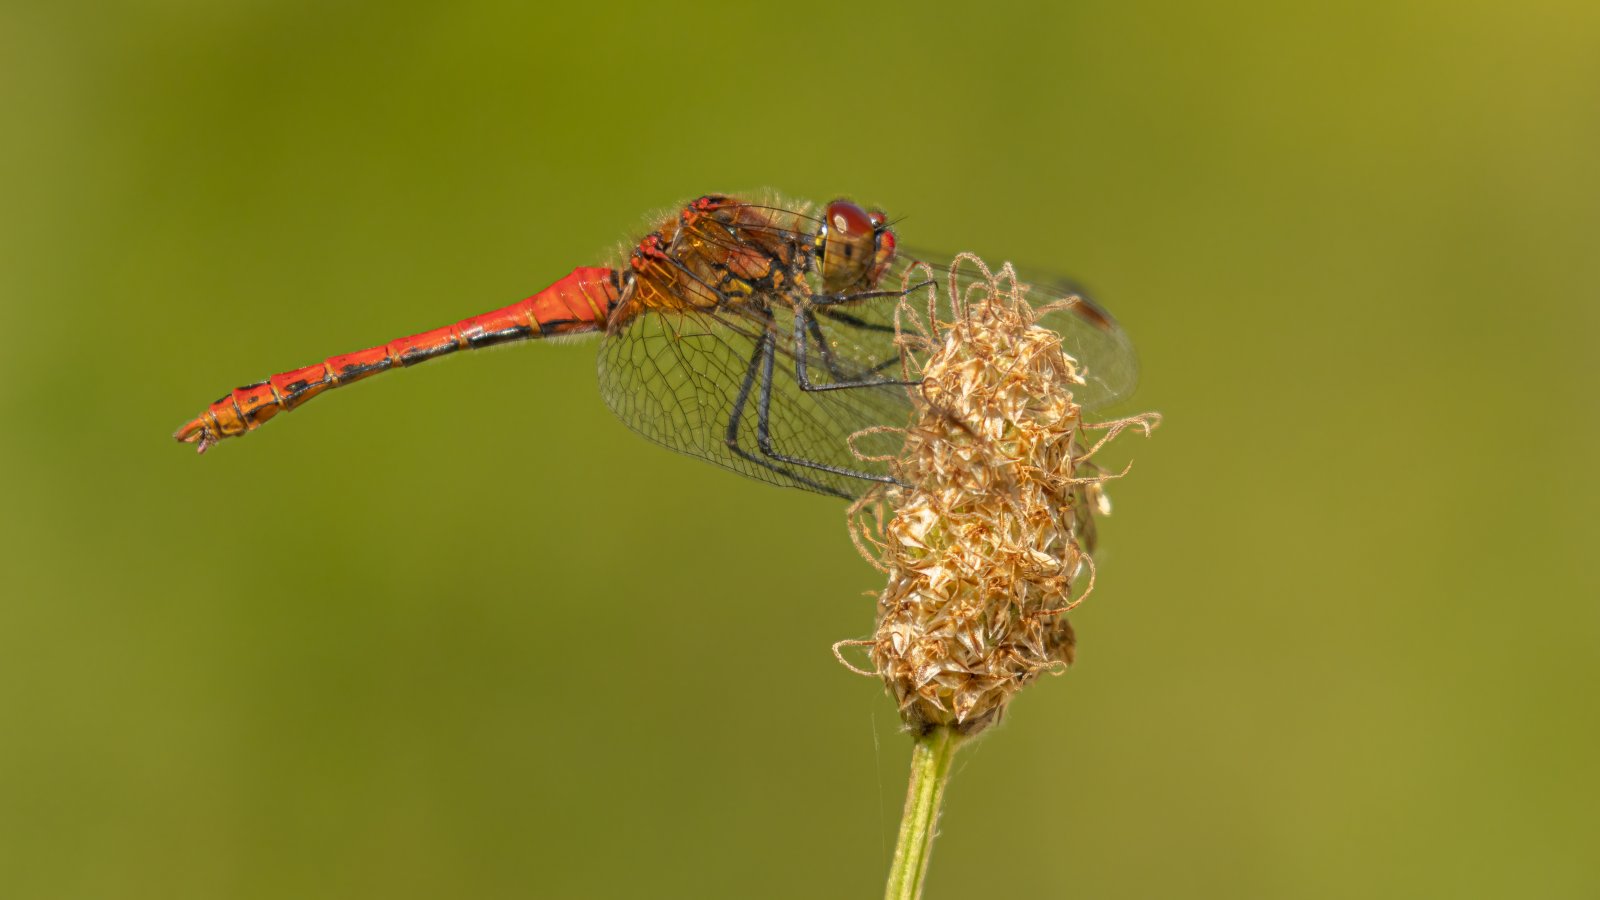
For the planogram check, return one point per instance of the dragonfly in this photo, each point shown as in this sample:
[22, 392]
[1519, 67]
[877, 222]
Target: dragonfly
[764, 336]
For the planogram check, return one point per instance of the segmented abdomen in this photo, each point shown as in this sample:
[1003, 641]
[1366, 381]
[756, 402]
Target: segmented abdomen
[580, 302]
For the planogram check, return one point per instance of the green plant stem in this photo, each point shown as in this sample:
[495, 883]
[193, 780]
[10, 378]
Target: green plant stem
[930, 769]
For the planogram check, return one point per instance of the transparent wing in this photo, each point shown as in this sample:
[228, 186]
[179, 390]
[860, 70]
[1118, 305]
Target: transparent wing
[1090, 335]
[699, 383]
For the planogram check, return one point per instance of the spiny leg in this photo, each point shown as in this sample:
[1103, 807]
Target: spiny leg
[805, 322]
[768, 351]
[824, 350]
[815, 327]
[736, 417]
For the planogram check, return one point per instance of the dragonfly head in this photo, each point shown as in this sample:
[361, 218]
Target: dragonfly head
[853, 248]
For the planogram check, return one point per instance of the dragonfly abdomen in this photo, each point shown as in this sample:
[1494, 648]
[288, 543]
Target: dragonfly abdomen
[580, 302]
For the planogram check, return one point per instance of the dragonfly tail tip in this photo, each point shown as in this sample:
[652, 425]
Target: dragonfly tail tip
[197, 434]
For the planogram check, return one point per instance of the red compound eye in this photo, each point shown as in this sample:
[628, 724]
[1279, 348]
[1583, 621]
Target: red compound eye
[847, 220]
[854, 247]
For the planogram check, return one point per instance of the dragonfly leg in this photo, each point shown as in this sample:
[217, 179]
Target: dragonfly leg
[854, 322]
[823, 350]
[767, 351]
[814, 327]
[736, 417]
[805, 323]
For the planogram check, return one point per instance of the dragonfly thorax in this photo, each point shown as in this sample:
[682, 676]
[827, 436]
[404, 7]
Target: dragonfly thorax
[717, 252]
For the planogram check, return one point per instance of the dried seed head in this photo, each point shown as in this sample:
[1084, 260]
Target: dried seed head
[989, 540]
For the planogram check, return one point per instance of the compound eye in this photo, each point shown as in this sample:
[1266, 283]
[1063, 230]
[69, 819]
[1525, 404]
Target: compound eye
[854, 248]
[847, 220]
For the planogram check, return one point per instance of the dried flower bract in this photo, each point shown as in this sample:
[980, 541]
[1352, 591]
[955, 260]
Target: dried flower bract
[987, 539]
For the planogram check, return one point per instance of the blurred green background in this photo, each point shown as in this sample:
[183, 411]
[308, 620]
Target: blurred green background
[457, 632]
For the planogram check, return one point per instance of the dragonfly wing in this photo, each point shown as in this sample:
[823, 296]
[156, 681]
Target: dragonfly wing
[681, 377]
[1089, 334]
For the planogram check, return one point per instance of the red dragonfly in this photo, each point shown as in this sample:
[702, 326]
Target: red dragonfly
[759, 336]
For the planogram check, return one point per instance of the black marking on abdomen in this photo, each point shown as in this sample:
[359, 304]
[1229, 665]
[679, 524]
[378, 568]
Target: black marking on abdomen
[357, 370]
[423, 354]
[504, 335]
